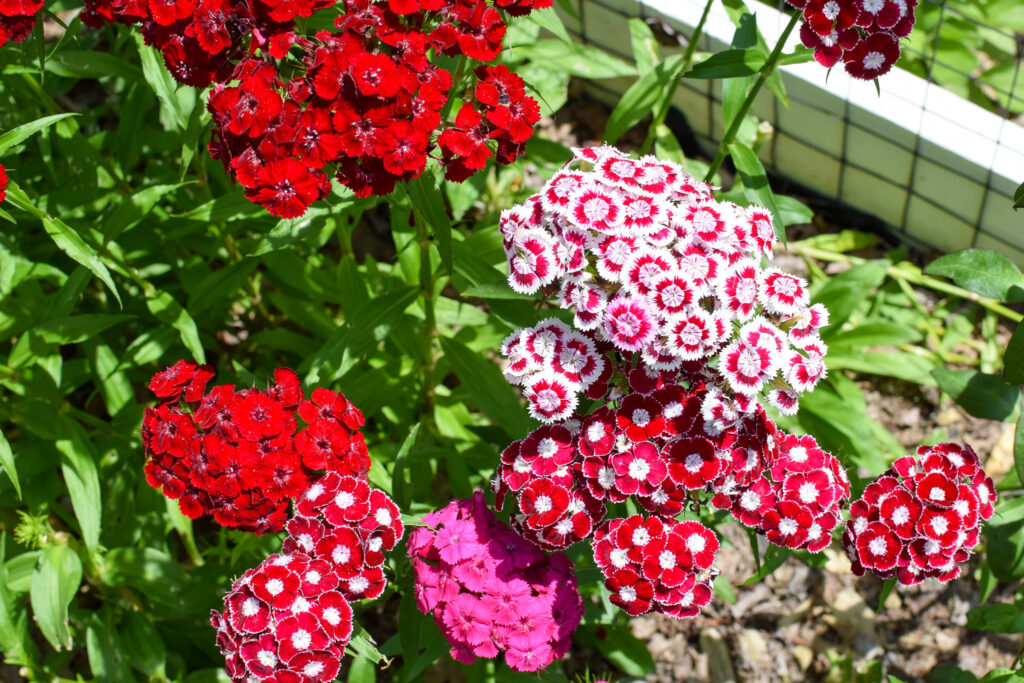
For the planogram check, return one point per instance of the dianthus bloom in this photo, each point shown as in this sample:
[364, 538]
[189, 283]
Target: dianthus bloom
[651, 265]
[921, 518]
[285, 622]
[3, 183]
[863, 34]
[490, 591]
[365, 103]
[657, 565]
[17, 18]
[242, 455]
[344, 523]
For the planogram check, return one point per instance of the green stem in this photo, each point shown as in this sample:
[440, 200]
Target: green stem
[430, 322]
[691, 47]
[910, 274]
[762, 77]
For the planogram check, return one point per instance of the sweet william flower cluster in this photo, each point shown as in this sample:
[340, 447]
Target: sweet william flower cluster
[241, 455]
[920, 519]
[364, 103]
[490, 591]
[651, 264]
[17, 18]
[862, 34]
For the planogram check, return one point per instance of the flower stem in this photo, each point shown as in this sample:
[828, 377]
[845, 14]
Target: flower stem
[691, 47]
[762, 77]
[909, 273]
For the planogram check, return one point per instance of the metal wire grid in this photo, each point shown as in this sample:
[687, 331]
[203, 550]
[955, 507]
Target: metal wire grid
[1015, 93]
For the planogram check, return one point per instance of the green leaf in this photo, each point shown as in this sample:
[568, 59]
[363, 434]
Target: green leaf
[142, 645]
[1018, 197]
[898, 364]
[75, 329]
[950, 674]
[640, 99]
[161, 81]
[427, 201]
[887, 586]
[165, 309]
[620, 647]
[998, 618]
[800, 55]
[398, 483]
[983, 272]
[92, 64]
[7, 462]
[487, 388]
[844, 292]
[1018, 447]
[755, 184]
[78, 465]
[792, 211]
[982, 395]
[646, 52]
[549, 19]
[874, 334]
[773, 559]
[497, 290]
[728, 64]
[26, 130]
[1013, 359]
[54, 585]
[68, 241]
[573, 59]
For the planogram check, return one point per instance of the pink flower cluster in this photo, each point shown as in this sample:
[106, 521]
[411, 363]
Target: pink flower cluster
[490, 591]
[284, 622]
[342, 521]
[863, 34]
[654, 564]
[651, 264]
[922, 517]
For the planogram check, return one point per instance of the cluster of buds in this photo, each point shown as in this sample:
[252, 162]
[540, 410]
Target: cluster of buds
[343, 522]
[365, 103]
[242, 455]
[285, 622]
[651, 264]
[863, 34]
[490, 591]
[17, 18]
[657, 565]
[921, 518]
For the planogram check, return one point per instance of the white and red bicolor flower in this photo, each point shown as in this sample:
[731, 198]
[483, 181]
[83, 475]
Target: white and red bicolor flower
[558, 192]
[300, 633]
[246, 612]
[532, 261]
[747, 367]
[708, 224]
[787, 524]
[643, 267]
[878, 547]
[762, 230]
[813, 489]
[596, 207]
[695, 334]
[783, 294]
[699, 544]
[737, 289]
[872, 57]
[629, 323]
[597, 432]
[640, 418]
[618, 171]
[550, 397]
[613, 252]
[804, 370]
[700, 267]
[830, 47]
[751, 504]
[786, 402]
[671, 293]
[639, 470]
[825, 16]
[577, 359]
[543, 502]
[630, 591]
[350, 500]
[547, 449]
[520, 361]
[642, 214]
[692, 462]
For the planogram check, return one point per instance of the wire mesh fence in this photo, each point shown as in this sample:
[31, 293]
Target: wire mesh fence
[937, 156]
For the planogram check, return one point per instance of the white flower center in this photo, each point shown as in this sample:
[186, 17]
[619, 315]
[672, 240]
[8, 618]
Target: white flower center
[383, 516]
[596, 431]
[548, 400]
[344, 499]
[798, 454]
[250, 607]
[877, 546]
[542, 504]
[627, 594]
[267, 658]
[313, 669]
[901, 515]
[547, 447]
[618, 558]
[331, 615]
[750, 500]
[696, 543]
[641, 418]
[341, 554]
[939, 524]
[667, 559]
[606, 477]
[302, 639]
[313, 576]
[638, 469]
[808, 492]
[357, 584]
[640, 536]
[873, 61]
[275, 586]
[693, 462]
[788, 526]
[937, 494]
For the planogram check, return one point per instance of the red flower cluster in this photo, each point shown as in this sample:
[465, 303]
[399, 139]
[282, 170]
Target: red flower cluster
[492, 592]
[656, 565]
[863, 34]
[17, 18]
[3, 183]
[362, 103]
[285, 622]
[341, 521]
[921, 518]
[663, 445]
[241, 455]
